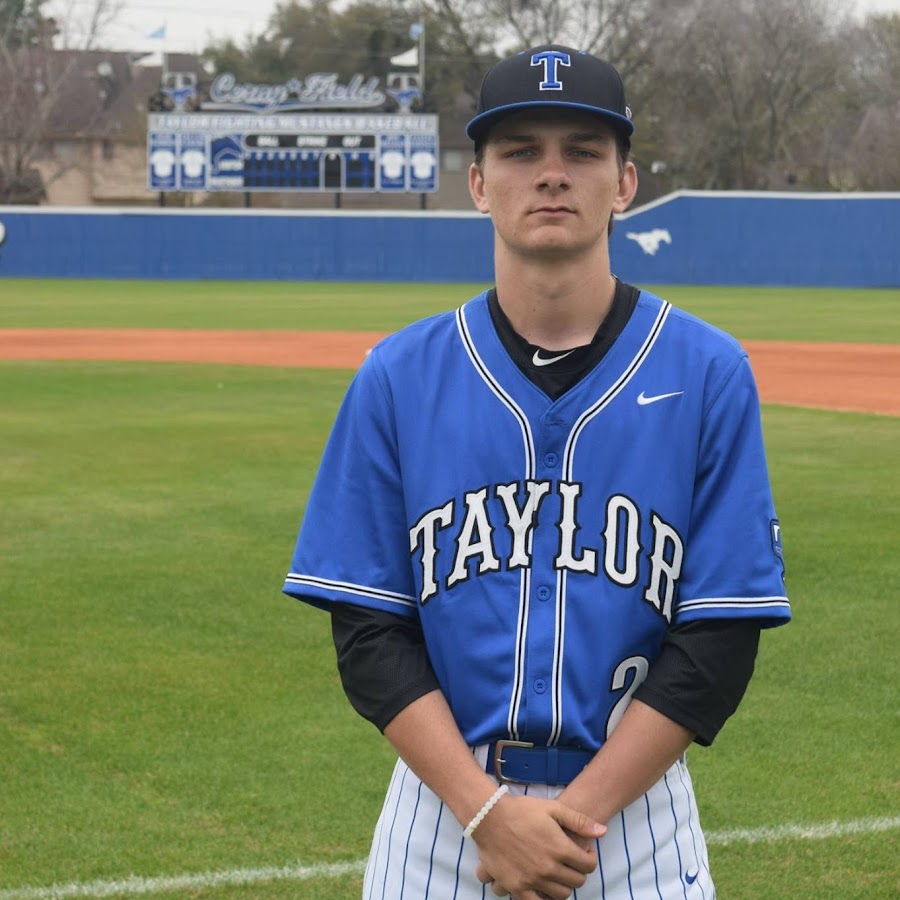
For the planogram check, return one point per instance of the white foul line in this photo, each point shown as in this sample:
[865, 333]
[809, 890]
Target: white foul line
[134, 885]
[796, 832]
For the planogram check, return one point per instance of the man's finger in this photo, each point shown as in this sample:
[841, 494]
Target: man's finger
[577, 823]
[583, 842]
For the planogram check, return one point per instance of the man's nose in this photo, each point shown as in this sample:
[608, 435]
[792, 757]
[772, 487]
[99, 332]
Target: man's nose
[553, 172]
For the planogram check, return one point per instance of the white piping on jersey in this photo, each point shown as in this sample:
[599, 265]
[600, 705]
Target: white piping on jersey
[515, 703]
[360, 590]
[624, 378]
[558, 656]
[530, 473]
[494, 385]
[733, 603]
[568, 465]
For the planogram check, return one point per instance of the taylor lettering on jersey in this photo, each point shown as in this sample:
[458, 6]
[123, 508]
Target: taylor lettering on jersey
[616, 551]
[545, 545]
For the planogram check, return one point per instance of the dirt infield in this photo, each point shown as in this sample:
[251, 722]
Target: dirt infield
[852, 377]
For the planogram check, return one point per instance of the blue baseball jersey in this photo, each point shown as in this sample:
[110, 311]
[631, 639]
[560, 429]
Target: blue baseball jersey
[546, 546]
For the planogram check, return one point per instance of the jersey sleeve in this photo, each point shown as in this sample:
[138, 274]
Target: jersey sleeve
[733, 565]
[353, 544]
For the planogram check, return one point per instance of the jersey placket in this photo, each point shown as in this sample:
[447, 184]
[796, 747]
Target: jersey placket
[546, 619]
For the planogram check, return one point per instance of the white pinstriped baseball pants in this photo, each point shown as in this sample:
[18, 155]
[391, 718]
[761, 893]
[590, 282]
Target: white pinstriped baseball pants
[653, 850]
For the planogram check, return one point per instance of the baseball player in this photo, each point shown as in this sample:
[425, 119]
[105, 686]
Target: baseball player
[544, 530]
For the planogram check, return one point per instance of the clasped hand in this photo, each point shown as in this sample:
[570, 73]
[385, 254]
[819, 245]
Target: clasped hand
[531, 849]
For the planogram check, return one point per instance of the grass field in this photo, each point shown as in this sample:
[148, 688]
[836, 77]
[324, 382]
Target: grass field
[165, 713]
[799, 314]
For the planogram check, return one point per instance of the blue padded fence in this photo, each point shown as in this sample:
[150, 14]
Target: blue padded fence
[819, 240]
[242, 245]
[690, 237]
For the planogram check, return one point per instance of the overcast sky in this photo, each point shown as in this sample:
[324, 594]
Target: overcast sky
[191, 24]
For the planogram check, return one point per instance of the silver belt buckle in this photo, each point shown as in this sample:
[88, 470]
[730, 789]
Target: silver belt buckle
[499, 760]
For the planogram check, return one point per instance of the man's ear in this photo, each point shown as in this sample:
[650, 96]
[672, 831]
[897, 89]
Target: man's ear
[476, 189]
[628, 185]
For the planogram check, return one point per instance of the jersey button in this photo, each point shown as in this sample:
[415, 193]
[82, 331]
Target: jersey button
[543, 593]
[540, 686]
[550, 459]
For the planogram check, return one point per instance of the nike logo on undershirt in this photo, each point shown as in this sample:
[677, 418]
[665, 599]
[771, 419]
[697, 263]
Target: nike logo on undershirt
[643, 400]
[536, 359]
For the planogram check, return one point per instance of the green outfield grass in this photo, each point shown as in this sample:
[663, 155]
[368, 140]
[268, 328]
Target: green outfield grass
[750, 313]
[165, 710]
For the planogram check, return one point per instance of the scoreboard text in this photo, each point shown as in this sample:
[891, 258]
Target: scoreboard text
[292, 152]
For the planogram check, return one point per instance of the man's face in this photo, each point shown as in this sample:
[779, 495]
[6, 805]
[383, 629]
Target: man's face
[551, 180]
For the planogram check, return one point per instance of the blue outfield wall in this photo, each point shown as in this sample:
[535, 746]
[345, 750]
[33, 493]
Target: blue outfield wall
[690, 237]
[816, 240]
[244, 245]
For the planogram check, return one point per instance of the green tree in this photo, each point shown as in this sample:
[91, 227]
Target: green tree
[314, 36]
[319, 36]
[23, 23]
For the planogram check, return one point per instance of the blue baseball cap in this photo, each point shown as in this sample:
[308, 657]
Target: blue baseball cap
[551, 76]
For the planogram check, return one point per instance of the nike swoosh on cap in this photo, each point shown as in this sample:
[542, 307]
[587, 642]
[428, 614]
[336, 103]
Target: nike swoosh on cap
[536, 359]
[643, 399]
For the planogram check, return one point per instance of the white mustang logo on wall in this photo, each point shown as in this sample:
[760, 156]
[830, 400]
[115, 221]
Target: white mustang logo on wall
[649, 241]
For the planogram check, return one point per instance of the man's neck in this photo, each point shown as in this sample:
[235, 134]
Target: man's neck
[556, 307]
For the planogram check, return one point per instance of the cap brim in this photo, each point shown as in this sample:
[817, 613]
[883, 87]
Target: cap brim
[480, 125]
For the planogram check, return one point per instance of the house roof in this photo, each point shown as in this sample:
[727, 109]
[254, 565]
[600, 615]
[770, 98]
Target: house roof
[84, 93]
[105, 94]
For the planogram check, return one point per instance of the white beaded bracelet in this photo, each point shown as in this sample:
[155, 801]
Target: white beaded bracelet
[479, 818]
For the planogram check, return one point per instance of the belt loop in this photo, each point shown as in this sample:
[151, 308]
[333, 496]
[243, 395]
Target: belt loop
[552, 765]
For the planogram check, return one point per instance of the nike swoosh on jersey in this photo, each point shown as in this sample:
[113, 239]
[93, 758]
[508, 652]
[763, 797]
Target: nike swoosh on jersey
[536, 359]
[643, 399]
[690, 879]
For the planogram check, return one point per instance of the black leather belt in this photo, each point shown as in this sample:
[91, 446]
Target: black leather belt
[522, 763]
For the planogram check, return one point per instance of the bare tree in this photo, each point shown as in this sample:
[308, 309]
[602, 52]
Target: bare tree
[866, 137]
[754, 94]
[528, 23]
[741, 86]
[38, 58]
[86, 31]
[472, 33]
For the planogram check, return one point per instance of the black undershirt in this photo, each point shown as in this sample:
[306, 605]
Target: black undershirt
[554, 380]
[703, 668]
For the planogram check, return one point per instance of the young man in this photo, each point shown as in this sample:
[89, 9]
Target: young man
[544, 530]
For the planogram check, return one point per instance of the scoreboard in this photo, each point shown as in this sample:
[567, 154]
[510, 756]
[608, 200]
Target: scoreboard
[292, 152]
